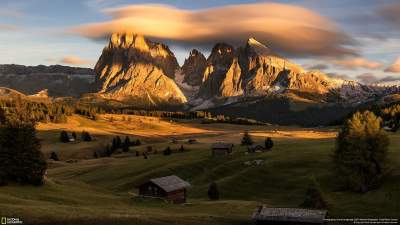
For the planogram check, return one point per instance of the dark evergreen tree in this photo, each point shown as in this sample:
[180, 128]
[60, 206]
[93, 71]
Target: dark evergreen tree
[126, 144]
[213, 193]
[314, 198]
[54, 156]
[118, 142]
[20, 155]
[86, 136]
[109, 151]
[247, 140]
[167, 151]
[138, 143]
[74, 135]
[269, 143]
[361, 152]
[64, 136]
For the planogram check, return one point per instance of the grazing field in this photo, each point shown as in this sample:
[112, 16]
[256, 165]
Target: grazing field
[102, 191]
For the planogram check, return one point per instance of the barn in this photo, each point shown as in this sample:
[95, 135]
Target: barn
[171, 188]
[221, 148]
[288, 216]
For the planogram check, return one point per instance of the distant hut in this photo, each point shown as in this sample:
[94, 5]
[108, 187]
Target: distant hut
[192, 141]
[288, 216]
[171, 188]
[256, 148]
[221, 148]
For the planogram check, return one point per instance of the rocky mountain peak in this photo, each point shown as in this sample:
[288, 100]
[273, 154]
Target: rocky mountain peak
[137, 69]
[255, 47]
[194, 67]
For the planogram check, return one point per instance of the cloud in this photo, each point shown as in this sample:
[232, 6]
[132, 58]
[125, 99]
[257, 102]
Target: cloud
[7, 27]
[316, 67]
[395, 67]
[358, 62]
[339, 76]
[391, 14]
[73, 60]
[287, 29]
[367, 78]
[389, 78]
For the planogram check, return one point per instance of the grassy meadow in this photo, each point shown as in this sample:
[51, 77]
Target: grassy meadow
[102, 191]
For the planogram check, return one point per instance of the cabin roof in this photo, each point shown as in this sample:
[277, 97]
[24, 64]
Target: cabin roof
[290, 215]
[170, 183]
[222, 145]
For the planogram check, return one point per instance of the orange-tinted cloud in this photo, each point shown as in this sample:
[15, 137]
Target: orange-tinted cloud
[285, 28]
[73, 60]
[395, 67]
[357, 62]
[7, 27]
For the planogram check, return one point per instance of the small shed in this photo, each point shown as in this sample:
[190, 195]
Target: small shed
[171, 188]
[192, 141]
[256, 148]
[288, 216]
[221, 148]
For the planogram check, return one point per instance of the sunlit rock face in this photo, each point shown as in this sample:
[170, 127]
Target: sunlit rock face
[254, 70]
[136, 69]
[193, 68]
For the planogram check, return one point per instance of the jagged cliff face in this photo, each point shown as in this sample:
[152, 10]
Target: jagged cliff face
[218, 64]
[193, 68]
[254, 70]
[132, 68]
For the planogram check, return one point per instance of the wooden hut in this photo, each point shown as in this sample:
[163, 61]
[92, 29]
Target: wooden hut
[221, 148]
[288, 216]
[171, 188]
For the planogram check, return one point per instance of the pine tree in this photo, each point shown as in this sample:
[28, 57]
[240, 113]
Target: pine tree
[269, 143]
[213, 193]
[64, 136]
[361, 152]
[314, 198]
[20, 155]
[247, 140]
[126, 144]
[138, 143]
[118, 142]
[86, 136]
[109, 151]
[167, 151]
[74, 135]
[54, 156]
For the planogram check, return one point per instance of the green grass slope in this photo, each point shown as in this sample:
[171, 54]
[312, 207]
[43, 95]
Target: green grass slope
[98, 191]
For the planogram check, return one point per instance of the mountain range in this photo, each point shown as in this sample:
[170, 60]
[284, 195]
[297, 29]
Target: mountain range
[133, 68]
[138, 72]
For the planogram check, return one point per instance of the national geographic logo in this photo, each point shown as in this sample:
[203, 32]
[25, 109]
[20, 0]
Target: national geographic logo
[8, 220]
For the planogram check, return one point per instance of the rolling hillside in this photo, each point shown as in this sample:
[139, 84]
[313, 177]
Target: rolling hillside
[100, 191]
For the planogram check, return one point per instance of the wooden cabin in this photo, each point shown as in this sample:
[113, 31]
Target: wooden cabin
[192, 141]
[288, 216]
[221, 148]
[171, 188]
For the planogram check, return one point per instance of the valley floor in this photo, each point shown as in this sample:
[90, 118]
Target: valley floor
[101, 191]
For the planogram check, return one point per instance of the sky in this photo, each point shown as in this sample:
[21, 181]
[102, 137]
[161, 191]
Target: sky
[352, 39]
